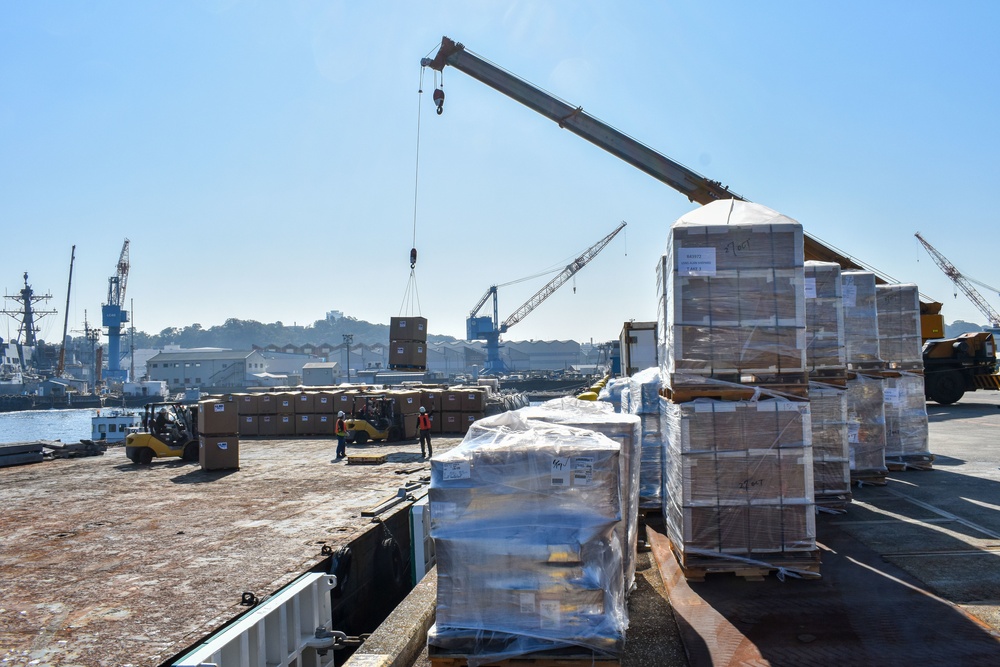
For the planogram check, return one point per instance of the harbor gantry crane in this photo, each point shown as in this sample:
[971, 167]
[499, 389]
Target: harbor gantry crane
[964, 283]
[114, 316]
[489, 329]
[694, 186]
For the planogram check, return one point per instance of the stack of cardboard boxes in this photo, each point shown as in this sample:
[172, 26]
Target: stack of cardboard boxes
[643, 400]
[826, 361]
[218, 442]
[865, 410]
[408, 343]
[900, 346]
[738, 474]
[286, 414]
[526, 521]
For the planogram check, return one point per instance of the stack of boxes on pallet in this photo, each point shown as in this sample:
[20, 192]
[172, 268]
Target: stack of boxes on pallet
[408, 343]
[285, 414]
[738, 471]
[643, 400]
[865, 410]
[218, 442]
[531, 518]
[900, 346]
[826, 361]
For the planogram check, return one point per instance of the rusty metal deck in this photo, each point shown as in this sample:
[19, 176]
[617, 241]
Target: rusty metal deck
[103, 562]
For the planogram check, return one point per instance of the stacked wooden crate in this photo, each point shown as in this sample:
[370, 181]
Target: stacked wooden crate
[826, 360]
[865, 409]
[900, 346]
[218, 442]
[738, 475]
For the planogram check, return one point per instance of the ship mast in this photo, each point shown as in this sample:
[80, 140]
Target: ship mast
[27, 315]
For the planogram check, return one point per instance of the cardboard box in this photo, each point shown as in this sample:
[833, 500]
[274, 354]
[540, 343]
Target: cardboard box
[305, 403]
[267, 425]
[285, 404]
[219, 453]
[436, 423]
[430, 399]
[267, 404]
[286, 424]
[217, 417]
[408, 328]
[246, 404]
[305, 424]
[410, 426]
[408, 354]
[468, 418]
[323, 402]
[451, 422]
[249, 425]
[473, 400]
[344, 401]
[408, 402]
[451, 401]
[323, 424]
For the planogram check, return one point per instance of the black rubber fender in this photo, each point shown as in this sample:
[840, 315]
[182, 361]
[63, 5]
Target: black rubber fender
[391, 558]
[340, 567]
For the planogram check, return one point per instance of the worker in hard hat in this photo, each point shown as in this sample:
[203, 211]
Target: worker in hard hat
[341, 430]
[424, 426]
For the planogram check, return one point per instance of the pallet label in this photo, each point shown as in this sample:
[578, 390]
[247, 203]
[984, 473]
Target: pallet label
[696, 261]
[456, 470]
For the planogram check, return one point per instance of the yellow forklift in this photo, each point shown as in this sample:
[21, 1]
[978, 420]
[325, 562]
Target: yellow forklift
[375, 420]
[953, 366]
[168, 429]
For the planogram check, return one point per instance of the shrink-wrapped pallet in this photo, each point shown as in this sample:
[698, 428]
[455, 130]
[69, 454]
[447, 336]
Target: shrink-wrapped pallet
[905, 418]
[612, 393]
[644, 392]
[524, 520]
[730, 294]
[860, 319]
[831, 452]
[825, 347]
[899, 340]
[866, 427]
[738, 476]
[624, 429]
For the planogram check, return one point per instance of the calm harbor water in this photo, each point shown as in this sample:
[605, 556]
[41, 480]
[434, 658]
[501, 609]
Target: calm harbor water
[28, 425]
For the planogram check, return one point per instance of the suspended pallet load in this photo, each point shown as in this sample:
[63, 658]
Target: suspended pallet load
[408, 344]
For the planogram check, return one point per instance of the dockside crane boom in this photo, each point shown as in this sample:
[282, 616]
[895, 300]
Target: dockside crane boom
[963, 282]
[489, 329]
[694, 186]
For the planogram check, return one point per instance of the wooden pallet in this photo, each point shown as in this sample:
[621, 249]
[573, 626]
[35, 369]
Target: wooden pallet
[366, 459]
[874, 478]
[836, 377]
[834, 501]
[697, 567]
[685, 394]
[910, 462]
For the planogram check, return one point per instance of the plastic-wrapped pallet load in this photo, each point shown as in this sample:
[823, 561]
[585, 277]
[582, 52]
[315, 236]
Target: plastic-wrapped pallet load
[624, 429]
[730, 294]
[899, 340]
[739, 478]
[644, 392]
[831, 452]
[612, 392]
[860, 319]
[866, 428]
[906, 421]
[825, 348]
[524, 525]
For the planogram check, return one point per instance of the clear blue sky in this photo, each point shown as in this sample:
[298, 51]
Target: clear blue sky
[260, 155]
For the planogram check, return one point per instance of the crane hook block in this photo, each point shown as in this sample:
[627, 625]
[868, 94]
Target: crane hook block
[413, 258]
[439, 100]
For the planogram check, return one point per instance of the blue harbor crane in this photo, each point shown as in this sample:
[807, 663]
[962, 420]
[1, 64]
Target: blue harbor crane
[489, 329]
[114, 316]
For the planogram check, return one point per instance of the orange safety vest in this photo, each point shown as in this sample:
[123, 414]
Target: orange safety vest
[424, 422]
[341, 427]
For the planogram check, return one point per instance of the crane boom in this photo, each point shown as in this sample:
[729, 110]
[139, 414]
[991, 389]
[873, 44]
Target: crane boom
[694, 186]
[961, 281]
[557, 282]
